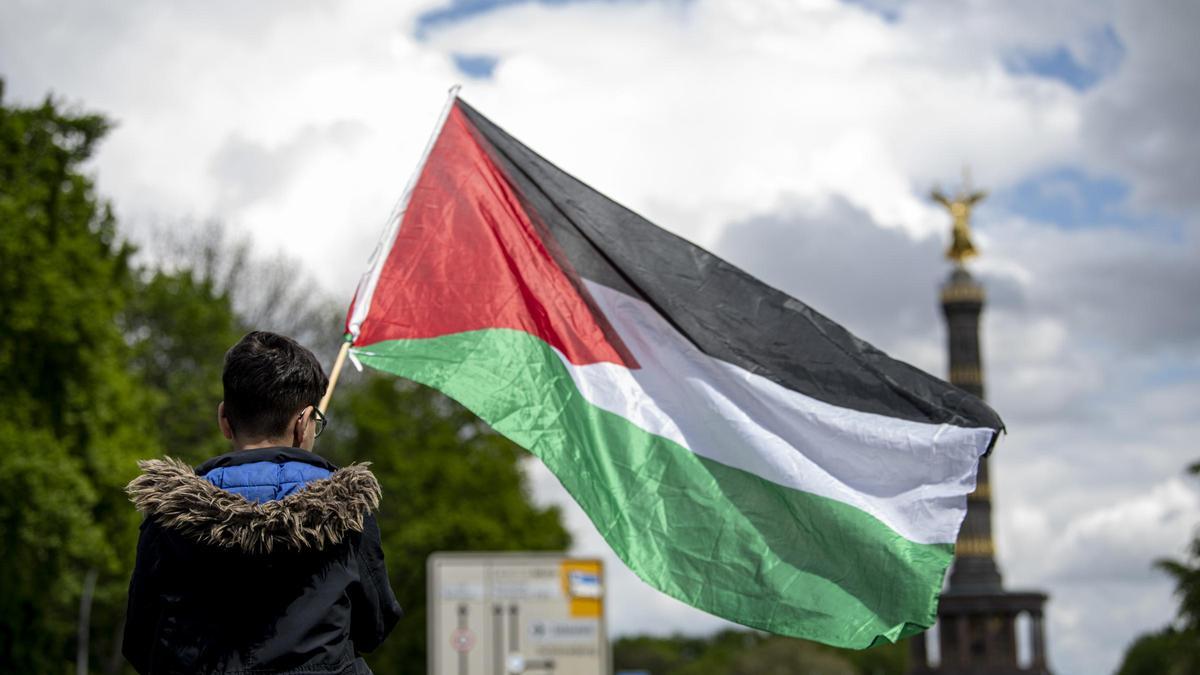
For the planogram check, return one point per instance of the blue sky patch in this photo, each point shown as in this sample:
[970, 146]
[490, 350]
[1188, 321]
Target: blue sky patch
[463, 10]
[1071, 198]
[1173, 372]
[889, 10]
[459, 10]
[1103, 54]
[475, 66]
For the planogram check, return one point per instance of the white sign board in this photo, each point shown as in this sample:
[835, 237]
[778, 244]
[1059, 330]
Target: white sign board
[512, 613]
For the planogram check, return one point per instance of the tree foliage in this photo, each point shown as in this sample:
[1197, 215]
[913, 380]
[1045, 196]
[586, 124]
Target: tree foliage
[181, 327]
[1174, 650]
[268, 292]
[752, 653]
[73, 420]
[1155, 654]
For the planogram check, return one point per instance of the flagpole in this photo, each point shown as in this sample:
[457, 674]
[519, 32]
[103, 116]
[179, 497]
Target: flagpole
[334, 374]
[366, 286]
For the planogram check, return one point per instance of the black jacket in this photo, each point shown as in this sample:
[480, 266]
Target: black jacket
[279, 569]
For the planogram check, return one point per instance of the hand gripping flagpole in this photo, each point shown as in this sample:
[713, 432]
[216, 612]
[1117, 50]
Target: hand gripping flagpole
[366, 285]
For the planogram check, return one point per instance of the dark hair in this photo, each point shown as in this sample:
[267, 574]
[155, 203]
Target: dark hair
[268, 378]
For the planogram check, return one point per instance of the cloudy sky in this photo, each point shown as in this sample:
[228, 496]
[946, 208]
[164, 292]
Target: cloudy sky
[797, 138]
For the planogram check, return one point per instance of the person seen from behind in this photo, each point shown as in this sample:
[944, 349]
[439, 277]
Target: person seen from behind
[266, 559]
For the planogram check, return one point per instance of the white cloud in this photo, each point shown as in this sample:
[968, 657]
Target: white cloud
[796, 137]
[188, 82]
[805, 98]
[1119, 541]
[1114, 541]
[1090, 622]
[1143, 123]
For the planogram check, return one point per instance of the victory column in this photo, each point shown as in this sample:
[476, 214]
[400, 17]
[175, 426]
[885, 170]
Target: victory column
[977, 618]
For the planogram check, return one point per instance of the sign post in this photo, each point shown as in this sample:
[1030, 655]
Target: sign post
[514, 613]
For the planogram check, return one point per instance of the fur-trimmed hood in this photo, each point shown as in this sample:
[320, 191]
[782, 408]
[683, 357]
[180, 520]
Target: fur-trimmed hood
[319, 515]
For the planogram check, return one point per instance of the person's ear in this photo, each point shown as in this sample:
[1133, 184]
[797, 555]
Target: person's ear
[223, 421]
[300, 427]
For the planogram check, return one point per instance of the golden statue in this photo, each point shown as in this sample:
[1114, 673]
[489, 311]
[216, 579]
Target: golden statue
[960, 207]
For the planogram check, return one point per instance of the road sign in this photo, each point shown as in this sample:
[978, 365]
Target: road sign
[516, 613]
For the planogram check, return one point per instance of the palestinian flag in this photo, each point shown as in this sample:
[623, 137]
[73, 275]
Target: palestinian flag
[737, 449]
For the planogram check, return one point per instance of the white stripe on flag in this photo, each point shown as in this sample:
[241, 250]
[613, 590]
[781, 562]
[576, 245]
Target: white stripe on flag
[912, 476]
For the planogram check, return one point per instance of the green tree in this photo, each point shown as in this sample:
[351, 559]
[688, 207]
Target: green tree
[1187, 580]
[449, 484]
[1154, 654]
[183, 327]
[73, 421]
[1174, 650]
[264, 292]
[745, 652]
[782, 656]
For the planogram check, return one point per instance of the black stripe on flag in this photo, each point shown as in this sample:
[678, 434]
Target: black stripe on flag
[721, 309]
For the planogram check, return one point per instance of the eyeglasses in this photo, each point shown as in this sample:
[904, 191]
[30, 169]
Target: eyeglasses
[319, 419]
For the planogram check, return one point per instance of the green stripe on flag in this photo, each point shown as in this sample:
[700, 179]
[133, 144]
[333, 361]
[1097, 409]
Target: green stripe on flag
[718, 538]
